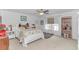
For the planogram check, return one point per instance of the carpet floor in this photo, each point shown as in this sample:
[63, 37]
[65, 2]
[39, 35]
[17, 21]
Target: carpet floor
[53, 43]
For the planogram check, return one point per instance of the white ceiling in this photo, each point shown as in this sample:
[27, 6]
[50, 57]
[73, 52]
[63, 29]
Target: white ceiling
[33, 11]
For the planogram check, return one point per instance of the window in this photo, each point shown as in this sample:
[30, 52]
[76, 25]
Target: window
[53, 27]
[48, 26]
[50, 22]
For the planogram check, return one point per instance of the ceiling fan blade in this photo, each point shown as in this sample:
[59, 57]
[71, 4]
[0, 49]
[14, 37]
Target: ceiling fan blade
[46, 11]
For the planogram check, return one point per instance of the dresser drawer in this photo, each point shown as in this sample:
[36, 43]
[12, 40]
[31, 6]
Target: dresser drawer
[4, 43]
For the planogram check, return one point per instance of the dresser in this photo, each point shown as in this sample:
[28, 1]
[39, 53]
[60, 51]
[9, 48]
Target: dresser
[4, 43]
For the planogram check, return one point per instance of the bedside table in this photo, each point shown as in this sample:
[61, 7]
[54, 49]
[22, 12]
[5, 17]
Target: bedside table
[11, 34]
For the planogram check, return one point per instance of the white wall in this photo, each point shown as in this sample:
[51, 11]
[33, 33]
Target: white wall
[57, 20]
[44, 18]
[78, 27]
[78, 32]
[13, 18]
[0, 15]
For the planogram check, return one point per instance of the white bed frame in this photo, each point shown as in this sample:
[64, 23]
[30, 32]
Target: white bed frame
[31, 38]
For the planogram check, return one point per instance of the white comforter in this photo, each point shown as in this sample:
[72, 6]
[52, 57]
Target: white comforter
[30, 35]
[31, 32]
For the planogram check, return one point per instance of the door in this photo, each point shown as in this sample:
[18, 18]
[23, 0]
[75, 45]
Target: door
[66, 27]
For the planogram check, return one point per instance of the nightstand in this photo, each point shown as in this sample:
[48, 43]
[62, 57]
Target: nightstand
[11, 34]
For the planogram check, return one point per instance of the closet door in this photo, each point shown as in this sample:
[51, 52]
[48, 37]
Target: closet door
[66, 27]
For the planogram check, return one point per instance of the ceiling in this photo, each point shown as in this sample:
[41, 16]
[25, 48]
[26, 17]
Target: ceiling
[33, 11]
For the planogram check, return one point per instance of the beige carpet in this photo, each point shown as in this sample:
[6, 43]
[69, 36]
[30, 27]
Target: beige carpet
[53, 43]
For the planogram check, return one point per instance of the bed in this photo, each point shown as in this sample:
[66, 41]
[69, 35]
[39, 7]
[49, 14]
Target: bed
[29, 35]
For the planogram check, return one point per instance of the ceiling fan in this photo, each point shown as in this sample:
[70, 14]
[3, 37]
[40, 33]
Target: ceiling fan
[43, 11]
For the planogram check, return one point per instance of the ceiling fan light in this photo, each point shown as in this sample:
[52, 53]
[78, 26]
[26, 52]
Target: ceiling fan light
[41, 13]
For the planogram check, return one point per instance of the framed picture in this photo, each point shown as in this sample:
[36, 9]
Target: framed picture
[41, 22]
[23, 18]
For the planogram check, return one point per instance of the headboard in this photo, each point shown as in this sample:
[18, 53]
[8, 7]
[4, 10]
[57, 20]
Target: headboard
[26, 26]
